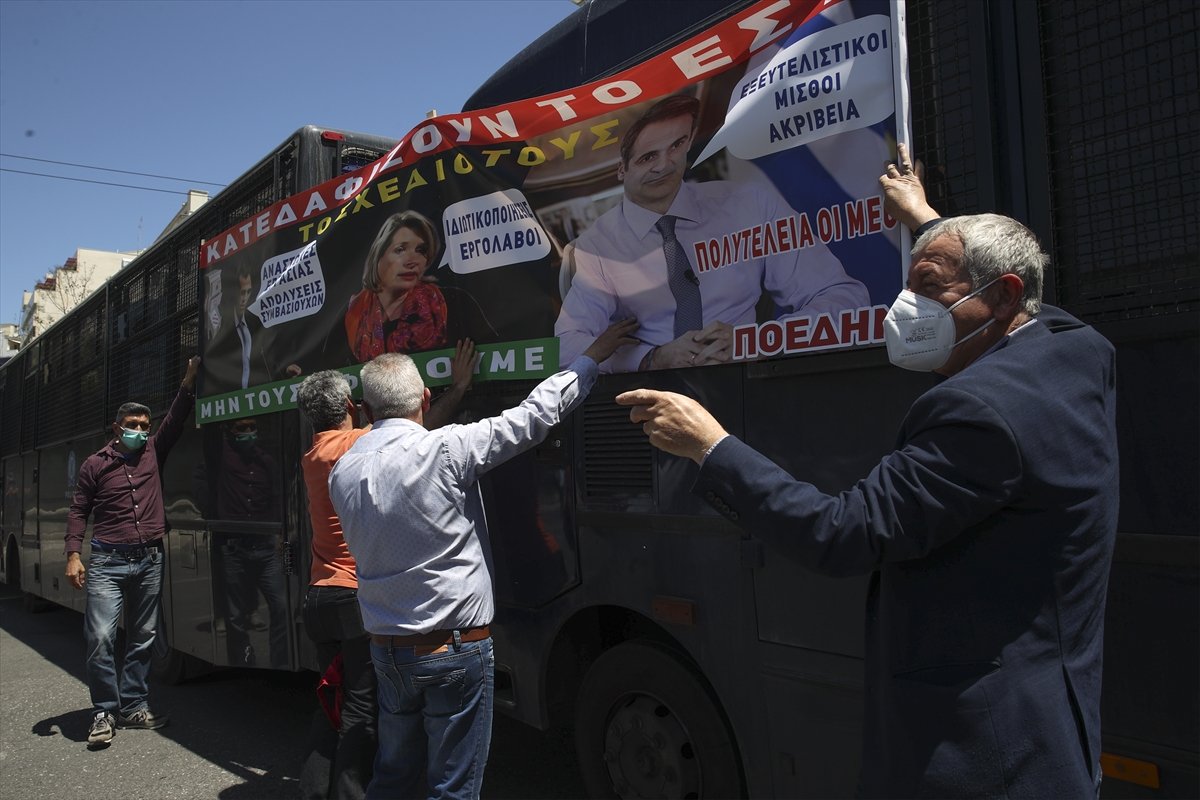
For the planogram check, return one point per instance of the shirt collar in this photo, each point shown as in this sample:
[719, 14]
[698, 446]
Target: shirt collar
[642, 220]
[111, 451]
[395, 422]
[1004, 340]
[1024, 326]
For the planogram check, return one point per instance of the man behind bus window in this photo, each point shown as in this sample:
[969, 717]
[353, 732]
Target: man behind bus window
[120, 489]
[989, 531]
[411, 511]
[637, 260]
[338, 762]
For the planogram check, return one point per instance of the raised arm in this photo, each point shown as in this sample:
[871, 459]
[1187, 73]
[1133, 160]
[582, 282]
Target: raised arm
[480, 446]
[172, 425]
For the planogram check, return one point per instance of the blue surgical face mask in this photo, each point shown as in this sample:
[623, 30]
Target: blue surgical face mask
[134, 440]
[244, 441]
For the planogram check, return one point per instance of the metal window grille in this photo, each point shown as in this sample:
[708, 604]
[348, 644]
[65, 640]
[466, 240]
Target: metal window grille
[1123, 121]
[943, 91]
[11, 382]
[71, 378]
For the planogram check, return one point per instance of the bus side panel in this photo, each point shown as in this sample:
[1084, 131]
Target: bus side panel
[828, 426]
[1151, 698]
[56, 486]
[815, 707]
[827, 420]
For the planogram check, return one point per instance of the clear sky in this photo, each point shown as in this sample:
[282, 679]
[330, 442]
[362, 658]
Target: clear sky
[201, 90]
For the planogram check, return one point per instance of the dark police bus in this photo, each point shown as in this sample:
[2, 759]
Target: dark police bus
[132, 339]
[688, 660]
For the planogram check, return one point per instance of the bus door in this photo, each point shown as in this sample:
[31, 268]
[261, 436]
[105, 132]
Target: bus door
[243, 503]
[31, 554]
[187, 577]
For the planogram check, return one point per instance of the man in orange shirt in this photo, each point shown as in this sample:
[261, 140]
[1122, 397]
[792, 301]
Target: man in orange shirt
[339, 762]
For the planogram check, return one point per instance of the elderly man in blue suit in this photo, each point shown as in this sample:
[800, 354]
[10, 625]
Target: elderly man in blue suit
[989, 530]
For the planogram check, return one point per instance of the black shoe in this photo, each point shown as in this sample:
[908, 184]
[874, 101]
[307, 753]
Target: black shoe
[104, 727]
[144, 719]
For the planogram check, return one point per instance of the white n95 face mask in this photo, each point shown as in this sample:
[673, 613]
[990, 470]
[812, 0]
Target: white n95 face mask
[920, 332]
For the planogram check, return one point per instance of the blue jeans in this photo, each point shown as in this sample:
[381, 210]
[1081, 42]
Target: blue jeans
[435, 717]
[338, 762]
[119, 584]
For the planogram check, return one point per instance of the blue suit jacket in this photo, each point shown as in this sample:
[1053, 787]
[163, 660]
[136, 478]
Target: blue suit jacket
[990, 530]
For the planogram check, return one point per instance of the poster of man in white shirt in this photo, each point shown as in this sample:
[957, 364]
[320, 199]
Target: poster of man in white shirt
[646, 258]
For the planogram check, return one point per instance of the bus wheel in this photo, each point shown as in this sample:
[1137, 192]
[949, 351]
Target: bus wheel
[646, 726]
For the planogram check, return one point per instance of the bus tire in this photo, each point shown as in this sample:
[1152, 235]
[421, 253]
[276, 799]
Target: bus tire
[646, 725]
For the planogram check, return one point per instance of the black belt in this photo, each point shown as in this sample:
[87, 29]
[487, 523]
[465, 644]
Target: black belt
[435, 640]
[133, 552]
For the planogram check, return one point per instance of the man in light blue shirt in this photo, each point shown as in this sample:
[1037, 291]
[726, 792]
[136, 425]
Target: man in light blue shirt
[412, 515]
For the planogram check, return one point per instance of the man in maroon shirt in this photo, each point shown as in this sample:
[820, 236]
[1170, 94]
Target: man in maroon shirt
[120, 488]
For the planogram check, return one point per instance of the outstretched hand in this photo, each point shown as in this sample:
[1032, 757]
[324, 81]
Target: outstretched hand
[462, 371]
[462, 367]
[616, 335]
[189, 374]
[676, 424]
[903, 192]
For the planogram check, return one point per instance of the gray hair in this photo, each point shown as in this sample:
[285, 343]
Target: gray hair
[322, 399]
[994, 245]
[392, 386]
[131, 409]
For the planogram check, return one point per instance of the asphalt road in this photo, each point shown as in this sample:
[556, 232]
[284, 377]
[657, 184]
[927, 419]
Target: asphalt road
[234, 734]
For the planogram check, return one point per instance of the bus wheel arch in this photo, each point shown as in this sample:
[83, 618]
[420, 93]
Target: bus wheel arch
[648, 725]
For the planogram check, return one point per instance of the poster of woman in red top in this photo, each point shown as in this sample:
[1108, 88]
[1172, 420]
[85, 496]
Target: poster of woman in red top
[398, 310]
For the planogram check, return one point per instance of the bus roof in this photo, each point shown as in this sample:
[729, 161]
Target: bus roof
[599, 38]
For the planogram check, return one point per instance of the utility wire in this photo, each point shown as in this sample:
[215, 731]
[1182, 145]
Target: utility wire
[106, 169]
[85, 180]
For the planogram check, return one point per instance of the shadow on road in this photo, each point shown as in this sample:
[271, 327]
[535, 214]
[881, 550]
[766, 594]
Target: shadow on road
[73, 725]
[251, 723]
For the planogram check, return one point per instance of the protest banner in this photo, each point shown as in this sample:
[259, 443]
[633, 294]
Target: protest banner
[724, 193]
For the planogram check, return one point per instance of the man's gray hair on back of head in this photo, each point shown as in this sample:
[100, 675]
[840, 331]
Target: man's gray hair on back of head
[322, 399]
[392, 386]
